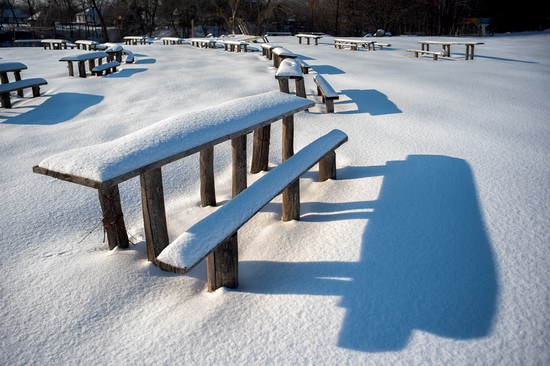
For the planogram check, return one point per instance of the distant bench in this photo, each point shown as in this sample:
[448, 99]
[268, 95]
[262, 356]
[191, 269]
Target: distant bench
[135, 40]
[291, 69]
[144, 152]
[57, 44]
[81, 59]
[172, 40]
[326, 91]
[203, 42]
[353, 44]
[232, 46]
[434, 54]
[18, 85]
[108, 68]
[308, 37]
[87, 44]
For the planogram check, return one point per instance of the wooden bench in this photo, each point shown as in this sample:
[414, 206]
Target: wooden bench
[87, 44]
[203, 42]
[108, 68]
[304, 65]
[171, 40]
[27, 42]
[267, 50]
[234, 46]
[135, 40]
[19, 85]
[434, 54]
[279, 54]
[82, 59]
[219, 245]
[326, 91]
[380, 45]
[11, 67]
[57, 44]
[354, 44]
[144, 152]
[308, 37]
[291, 69]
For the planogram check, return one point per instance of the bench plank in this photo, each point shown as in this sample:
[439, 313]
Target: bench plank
[19, 85]
[190, 248]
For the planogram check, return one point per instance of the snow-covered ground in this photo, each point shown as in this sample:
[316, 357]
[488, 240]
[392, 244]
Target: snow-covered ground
[432, 247]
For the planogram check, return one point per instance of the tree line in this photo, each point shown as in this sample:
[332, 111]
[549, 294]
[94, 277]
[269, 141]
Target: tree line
[337, 17]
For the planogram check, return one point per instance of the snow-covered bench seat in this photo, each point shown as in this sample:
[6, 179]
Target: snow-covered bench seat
[108, 68]
[326, 91]
[434, 54]
[19, 85]
[144, 152]
[291, 69]
[219, 229]
[279, 54]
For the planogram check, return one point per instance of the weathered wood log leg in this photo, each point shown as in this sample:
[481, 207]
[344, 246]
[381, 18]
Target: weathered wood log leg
[260, 149]
[35, 91]
[327, 167]
[222, 265]
[238, 145]
[330, 105]
[283, 86]
[6, 102]
[291, 195]
[208, 191]
[81, 69]
[91, 64]
[113, 219]
[17, 75]
[300, 88]
[154, 215]
[70, 67]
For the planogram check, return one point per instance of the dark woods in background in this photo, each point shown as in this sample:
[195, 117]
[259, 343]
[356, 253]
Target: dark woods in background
[108, 19]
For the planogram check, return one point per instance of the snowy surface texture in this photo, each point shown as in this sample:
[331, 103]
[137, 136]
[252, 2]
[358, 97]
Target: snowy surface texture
[431, 248]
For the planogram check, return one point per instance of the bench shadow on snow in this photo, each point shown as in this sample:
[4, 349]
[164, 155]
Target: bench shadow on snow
[56, 108]
[126, 73]
[367, 101]
[426, 260]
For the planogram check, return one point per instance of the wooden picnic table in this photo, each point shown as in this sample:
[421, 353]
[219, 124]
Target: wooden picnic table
[87, 44]
[56, 44]
[81, 59]
[446, 46]
[354, 44]
[134, 40]
[308, 37]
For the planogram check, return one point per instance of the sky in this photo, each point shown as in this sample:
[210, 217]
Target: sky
[430, 247]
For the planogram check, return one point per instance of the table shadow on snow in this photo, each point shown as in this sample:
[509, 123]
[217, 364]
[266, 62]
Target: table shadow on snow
[56, 108]
[426, 260]
[366, 101]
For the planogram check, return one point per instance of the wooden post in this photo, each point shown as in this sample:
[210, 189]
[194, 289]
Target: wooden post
[17, 75]
[70, 67]
[283, 85]
[288, 137]
[222, 264]
[300, 87]
[208, 190]
[291, 194]
[113, 219]
[327, 166]
[238, 145]
[260, 149]
[81, 69]
[154, 215]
